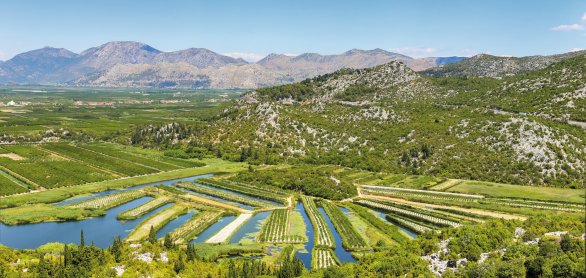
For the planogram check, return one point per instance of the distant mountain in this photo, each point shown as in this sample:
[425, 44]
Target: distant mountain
[494, 66]
[38, 66]
[135, 64]
[57, 65]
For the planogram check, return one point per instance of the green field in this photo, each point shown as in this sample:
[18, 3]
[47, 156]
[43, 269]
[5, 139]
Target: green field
[522, 192]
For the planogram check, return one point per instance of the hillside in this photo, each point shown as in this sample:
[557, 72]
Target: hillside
[390, 118]
[485, 65]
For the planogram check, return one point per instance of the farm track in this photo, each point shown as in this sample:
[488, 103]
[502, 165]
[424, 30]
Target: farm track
[229, 229]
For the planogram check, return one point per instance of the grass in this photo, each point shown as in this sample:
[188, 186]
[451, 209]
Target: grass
[60, 194]
[42, 213]
[211, 252]
[157, 221]
[372, 235]
[521, 192]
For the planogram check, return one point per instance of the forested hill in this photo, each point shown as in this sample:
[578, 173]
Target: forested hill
[521, 129]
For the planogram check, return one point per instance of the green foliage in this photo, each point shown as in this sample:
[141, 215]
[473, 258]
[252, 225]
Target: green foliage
[310, 180]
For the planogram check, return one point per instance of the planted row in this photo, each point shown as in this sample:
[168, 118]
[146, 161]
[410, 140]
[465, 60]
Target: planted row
[415, 227]
[351, 239]
[247, 190]
[197, 224]
[411, 214]
[141, 210]
[109, 201]
[276, 229]
[224, 195]
[323, 258]
[323, 235]
[100, 160]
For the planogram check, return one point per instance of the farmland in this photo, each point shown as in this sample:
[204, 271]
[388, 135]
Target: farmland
[224, 195]
[323, 235]
[143, 209]
[350, 237]
[156, 221]
[276, 229]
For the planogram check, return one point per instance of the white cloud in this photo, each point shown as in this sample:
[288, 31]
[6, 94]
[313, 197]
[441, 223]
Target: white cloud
[576, 49]
[249, 57]
[570, 27]
[415, 52]
[3, 56]
[584, 17]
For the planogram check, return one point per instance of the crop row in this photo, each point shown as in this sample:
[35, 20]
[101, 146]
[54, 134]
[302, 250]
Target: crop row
[131, 158]
[351, 239]
[247, 190]
[197, 224]
[323, 235]
[276, 229]
[411, 214]
[109, 201]
[156, 221]
[525, 205]
[408, 224]
[323, 258]
[416, 195]
[395, 189]
[41, 168]
[224, 195]
[141, 210]
[100, 160]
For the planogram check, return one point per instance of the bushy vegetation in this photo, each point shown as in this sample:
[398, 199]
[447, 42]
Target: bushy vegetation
[309, 180]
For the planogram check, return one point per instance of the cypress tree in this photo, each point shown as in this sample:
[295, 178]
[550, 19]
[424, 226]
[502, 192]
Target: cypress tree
[152, 236]
[82, 240]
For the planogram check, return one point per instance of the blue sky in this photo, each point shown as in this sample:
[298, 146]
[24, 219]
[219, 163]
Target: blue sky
[252, 29]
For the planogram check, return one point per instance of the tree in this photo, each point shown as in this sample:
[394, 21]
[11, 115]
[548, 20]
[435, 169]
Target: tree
[168, 243]
[82, 240]
[152, 236]
[116, 249]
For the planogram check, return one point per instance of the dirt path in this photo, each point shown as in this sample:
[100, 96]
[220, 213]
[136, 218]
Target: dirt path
[229, 229]
[475, 211]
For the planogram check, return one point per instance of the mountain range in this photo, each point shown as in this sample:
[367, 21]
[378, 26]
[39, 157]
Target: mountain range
[135, 64]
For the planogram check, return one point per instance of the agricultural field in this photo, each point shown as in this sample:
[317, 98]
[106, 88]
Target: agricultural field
[109, 201]
[156, 222]
[323, 235]
[350, 237]
[277, 228]
[266, 193]
[194, 226]
[53, 165]
[226, 195]
[323, 258]
[141, 210]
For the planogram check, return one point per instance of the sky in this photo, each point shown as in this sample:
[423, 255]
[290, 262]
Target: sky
[254, 28]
